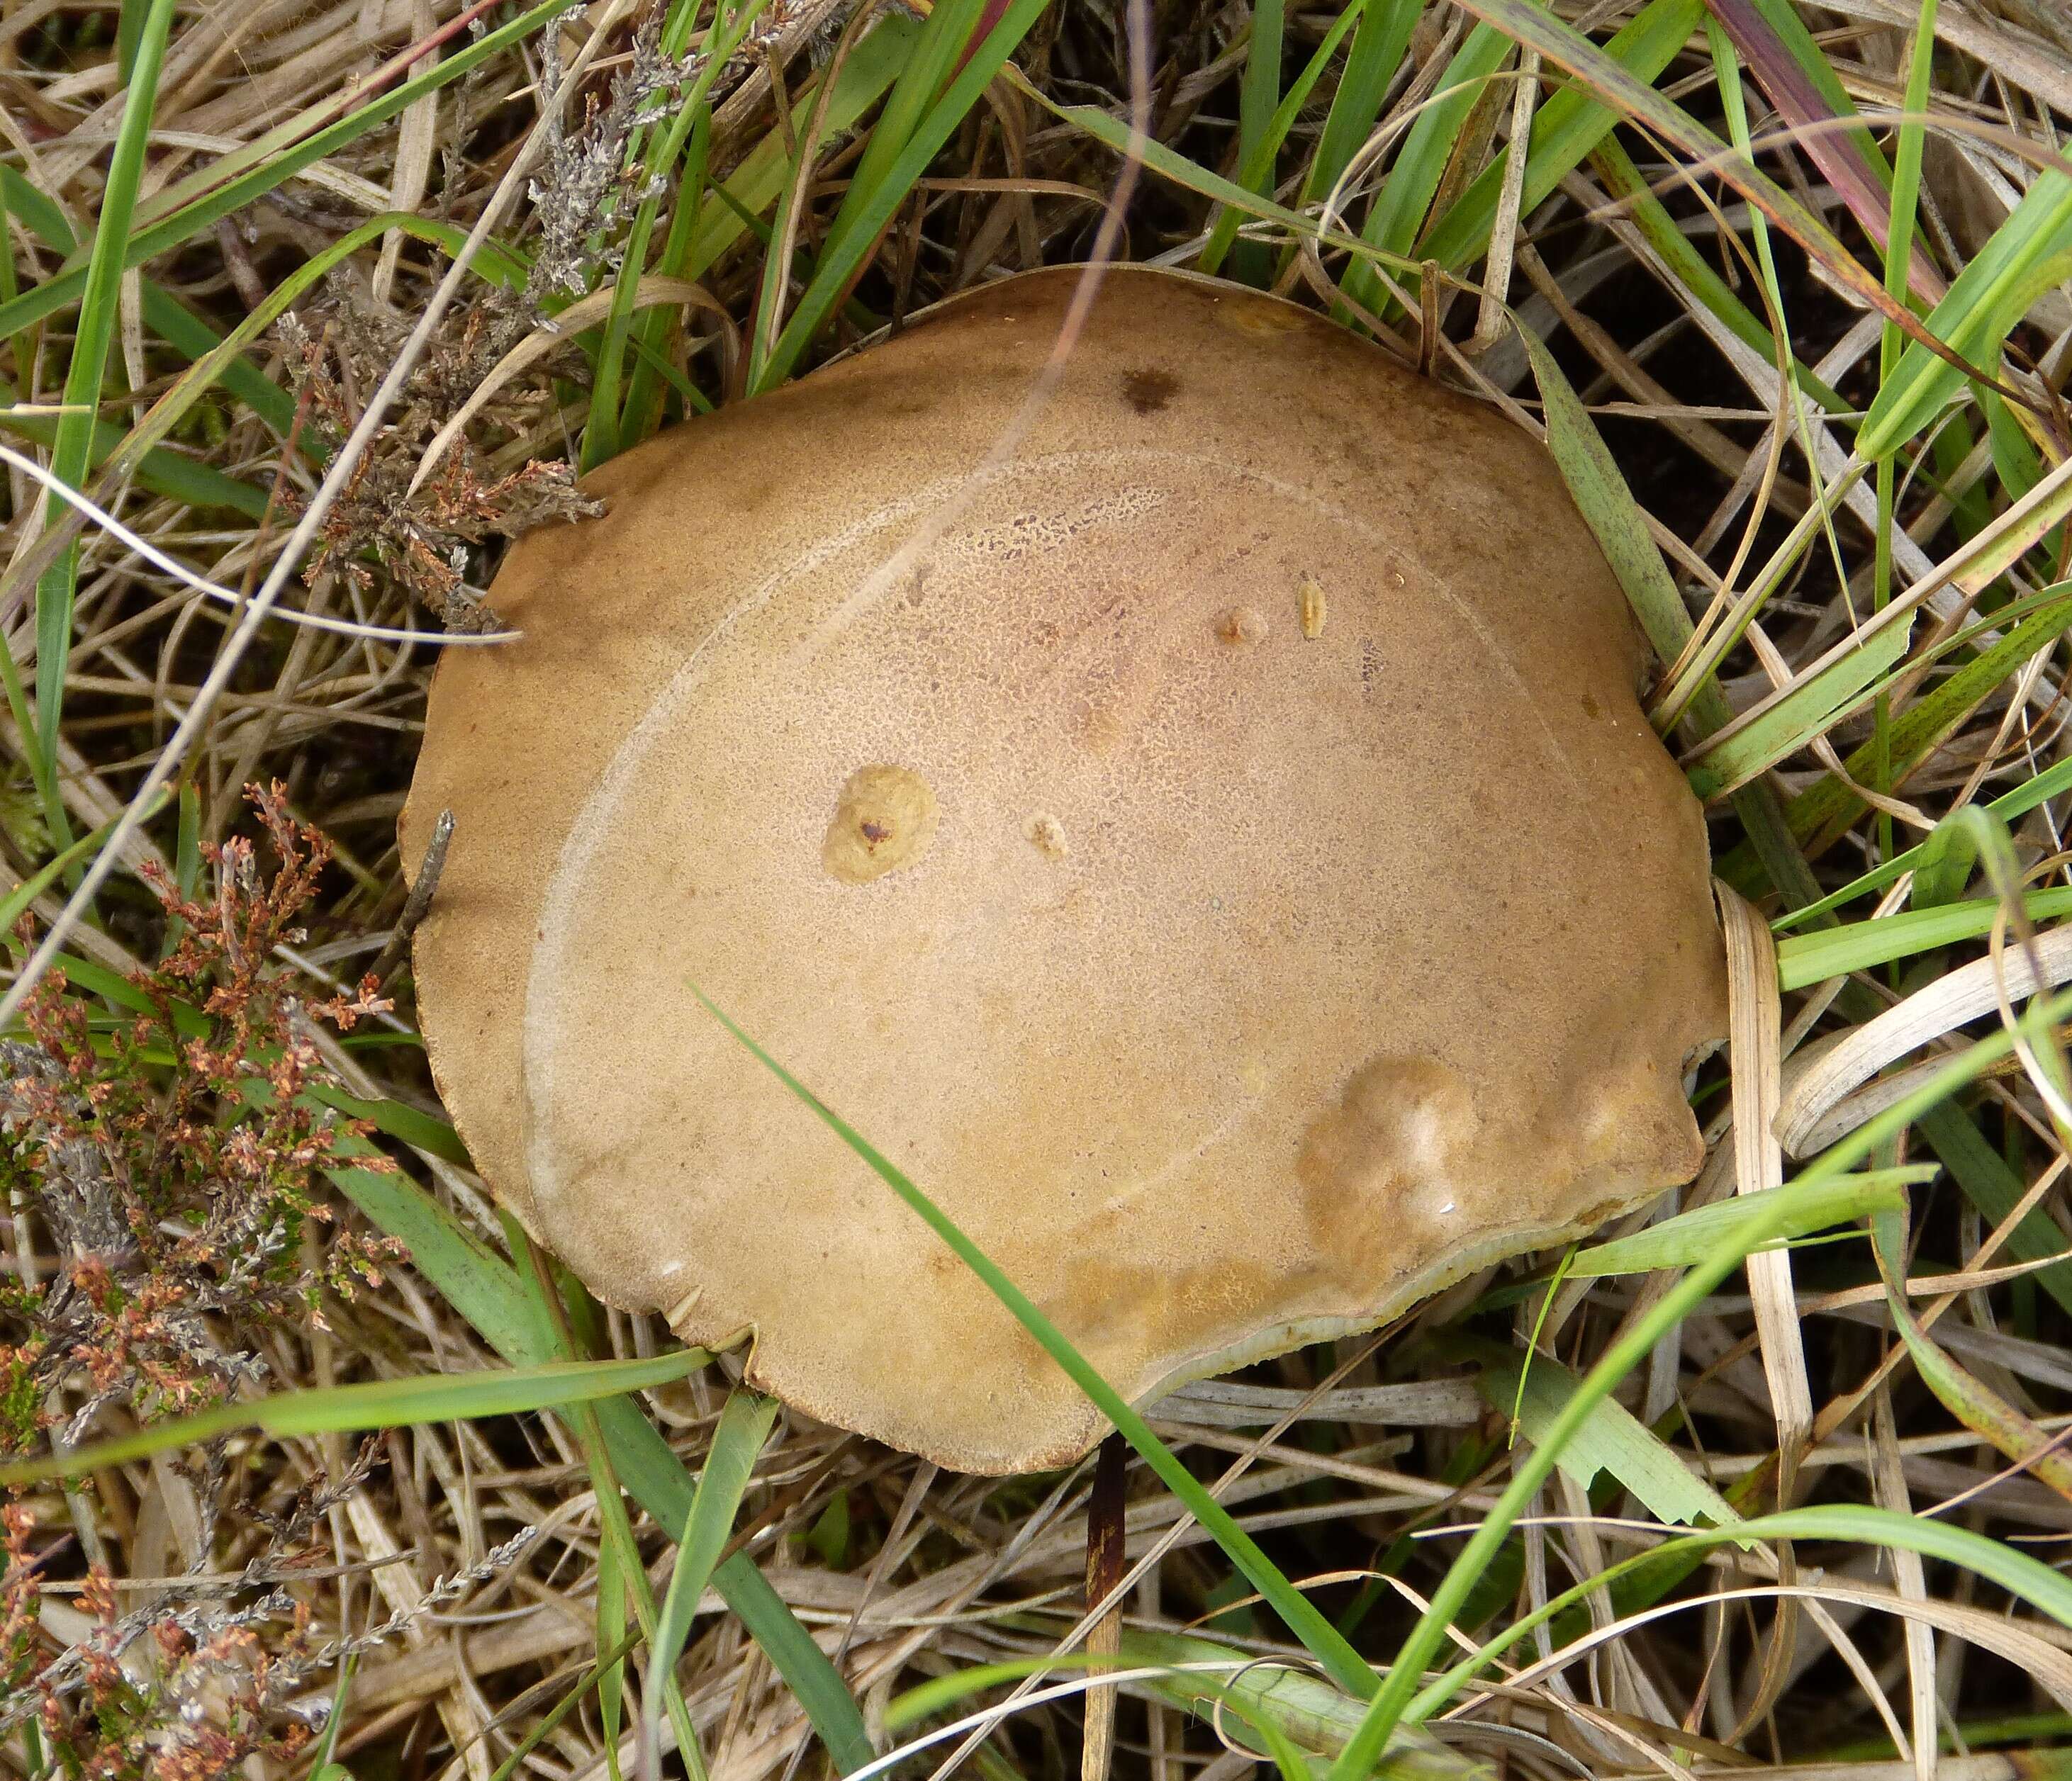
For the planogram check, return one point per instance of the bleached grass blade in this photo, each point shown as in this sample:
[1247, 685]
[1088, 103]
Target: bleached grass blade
[1816, 1080]
[1628, 1351]
[648, 292]
[1989, 1633]
[1757, 1058]
[2021, 1576]
[182, 211]
[485, 1289]
[1889, 1483]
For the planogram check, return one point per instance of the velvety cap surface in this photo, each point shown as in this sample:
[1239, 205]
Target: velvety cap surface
[1218, 855]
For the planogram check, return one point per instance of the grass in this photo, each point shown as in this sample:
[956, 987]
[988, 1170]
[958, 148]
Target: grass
[1786, 287]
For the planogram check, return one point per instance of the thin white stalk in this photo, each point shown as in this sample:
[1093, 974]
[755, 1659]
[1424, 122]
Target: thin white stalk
[215, 590]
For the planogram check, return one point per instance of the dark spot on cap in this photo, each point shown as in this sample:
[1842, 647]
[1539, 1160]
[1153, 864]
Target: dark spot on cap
[1148, 391]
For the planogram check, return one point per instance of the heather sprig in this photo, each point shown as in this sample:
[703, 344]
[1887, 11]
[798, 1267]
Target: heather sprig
[168, 1162]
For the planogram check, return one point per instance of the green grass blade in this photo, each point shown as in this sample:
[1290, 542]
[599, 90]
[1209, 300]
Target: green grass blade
[1607, 1437]
[603, 436]
[610, 1621]
[181, 225]
[816, 1683]
[1690, 1236]
[869, 205]
[1322, 1640]
[2015, 461]
[1631, 1346]
[97, 979]
[1790, 30]
[100, 300]
[1565, 130]
[485, 1289]
[420, 1130]
[781, 260]
[1560, 43]
[182, 478]
[1849, 158]
[1983, 1176]
[15, 903]
[1813, 706]
[1688, 269]
[2016, 1572]
[186, 858]
[569, 1311]
[929, 66]
[1258, 101]
[1614, 518]
[1256, 173]
[1948, 857]
[647, 385]
[322, 1766]
[2028, 254]
[2053, 782]
[1804, 959]
[1968, 1398]
[1607, 505]
[1191, 176]
[188, 388]
[1398, 209]
[375, 1404]
[744, 1426]
[577, 1694]
[1310, 1712]
[1906, 162]
[1727, 78]
[480, 1285]
[19, 342]
[164, 313]
[1371, 65]
[1823, 811]
[755, 185]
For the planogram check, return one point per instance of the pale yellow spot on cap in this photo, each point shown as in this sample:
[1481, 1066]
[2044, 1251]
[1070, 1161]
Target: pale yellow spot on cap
[1312, 602]
[884, 819]
[1257, 316]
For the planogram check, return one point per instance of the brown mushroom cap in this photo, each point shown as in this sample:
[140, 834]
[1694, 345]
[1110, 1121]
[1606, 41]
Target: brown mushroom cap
[1218, 855]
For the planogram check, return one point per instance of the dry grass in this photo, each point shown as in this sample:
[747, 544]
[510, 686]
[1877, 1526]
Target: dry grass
[1359, 1470]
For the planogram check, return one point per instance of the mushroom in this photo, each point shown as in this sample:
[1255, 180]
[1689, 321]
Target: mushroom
[1216, 851]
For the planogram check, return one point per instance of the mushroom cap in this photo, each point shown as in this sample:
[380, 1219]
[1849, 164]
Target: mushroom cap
[1217, 854]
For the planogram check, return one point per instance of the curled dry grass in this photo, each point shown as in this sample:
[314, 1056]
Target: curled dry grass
[457, 248]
